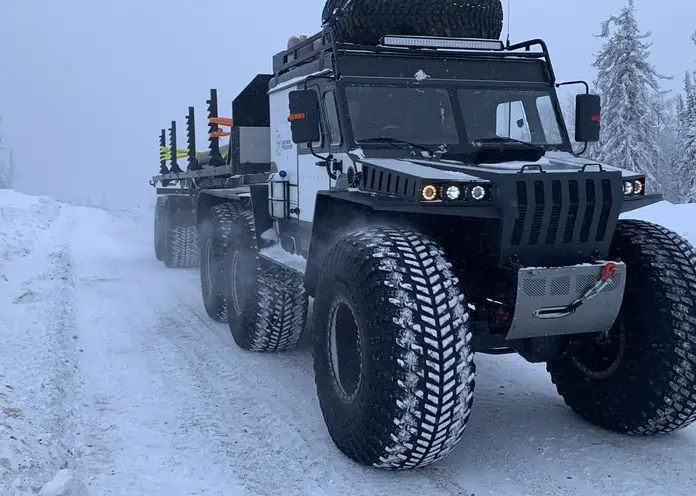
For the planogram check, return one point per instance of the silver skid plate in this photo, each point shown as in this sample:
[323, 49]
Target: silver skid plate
[544, 294]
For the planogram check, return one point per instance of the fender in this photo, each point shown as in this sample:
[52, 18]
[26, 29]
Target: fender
[207, 199]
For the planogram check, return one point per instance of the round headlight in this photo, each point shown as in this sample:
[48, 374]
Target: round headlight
[628, 188]
[637, 187]
[429, 192]
[453, 192]
[478, 192]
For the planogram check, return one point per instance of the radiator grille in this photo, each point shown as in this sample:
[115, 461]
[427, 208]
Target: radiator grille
[553, 212]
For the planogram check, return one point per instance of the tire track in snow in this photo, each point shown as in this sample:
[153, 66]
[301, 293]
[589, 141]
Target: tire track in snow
[133, 441]
[174, 407]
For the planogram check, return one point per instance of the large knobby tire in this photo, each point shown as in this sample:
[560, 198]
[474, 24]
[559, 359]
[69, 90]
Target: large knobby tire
[159, 234]
[213, 237]
[180, 237]
[266, 306]
[647, 383]
[367, 21]
[393, 364]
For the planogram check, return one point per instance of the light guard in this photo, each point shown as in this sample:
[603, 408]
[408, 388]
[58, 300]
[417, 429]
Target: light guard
[447, 43]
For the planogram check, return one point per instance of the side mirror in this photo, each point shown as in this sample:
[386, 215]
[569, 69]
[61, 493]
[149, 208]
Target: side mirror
[588, 109]
[304, 116]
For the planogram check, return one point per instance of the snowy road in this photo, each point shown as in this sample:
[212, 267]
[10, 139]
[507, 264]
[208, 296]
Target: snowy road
[110, 367]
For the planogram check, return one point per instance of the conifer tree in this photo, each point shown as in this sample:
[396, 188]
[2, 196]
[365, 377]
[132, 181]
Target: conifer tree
[685, 158]
[628, 84]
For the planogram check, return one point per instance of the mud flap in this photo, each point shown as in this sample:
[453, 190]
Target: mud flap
[566, 300]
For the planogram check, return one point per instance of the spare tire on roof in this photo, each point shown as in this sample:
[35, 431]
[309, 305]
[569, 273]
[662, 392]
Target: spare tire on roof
[365, 22]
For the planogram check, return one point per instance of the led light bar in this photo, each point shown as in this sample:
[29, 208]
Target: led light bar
[450, 43]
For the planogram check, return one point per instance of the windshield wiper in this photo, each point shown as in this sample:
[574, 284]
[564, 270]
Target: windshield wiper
[497, 154]
[395, 141]
[503, 139]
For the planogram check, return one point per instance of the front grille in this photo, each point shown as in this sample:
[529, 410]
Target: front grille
[553, 212]
[388, 182]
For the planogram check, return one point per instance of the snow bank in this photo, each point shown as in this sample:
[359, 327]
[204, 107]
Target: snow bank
[22, 219]
[35, 361]
[680, 218]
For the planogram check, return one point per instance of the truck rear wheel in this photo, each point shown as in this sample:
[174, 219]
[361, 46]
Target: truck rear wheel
[213, 236]
[367, 21]
[266, 306]
[180, 235]
[640, 377]
[159, 234]
[393, 364]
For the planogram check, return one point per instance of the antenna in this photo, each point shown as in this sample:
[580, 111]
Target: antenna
[507, 42]
[507, 45]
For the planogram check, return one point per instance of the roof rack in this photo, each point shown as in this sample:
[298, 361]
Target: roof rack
[317, 45]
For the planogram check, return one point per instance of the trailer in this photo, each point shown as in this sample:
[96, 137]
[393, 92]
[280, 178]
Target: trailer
[422, 188]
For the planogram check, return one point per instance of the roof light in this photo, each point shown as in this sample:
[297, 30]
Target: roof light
[450, 43]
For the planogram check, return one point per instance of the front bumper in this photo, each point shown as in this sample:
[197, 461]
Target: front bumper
[545, 296]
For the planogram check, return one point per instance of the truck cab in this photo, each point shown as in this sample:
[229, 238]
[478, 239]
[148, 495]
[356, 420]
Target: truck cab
[441, 127]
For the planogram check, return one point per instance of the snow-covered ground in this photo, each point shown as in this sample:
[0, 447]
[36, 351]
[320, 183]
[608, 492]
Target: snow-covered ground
[114, 381]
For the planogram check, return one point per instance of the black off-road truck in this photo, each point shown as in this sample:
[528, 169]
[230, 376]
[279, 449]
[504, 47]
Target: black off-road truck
[417, 180]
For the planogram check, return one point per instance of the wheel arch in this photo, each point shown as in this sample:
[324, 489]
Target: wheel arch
[337, 214]
[207, 199]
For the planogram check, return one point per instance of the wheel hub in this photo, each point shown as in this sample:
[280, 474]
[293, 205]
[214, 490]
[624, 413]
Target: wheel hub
[345, 350]
[599, 357]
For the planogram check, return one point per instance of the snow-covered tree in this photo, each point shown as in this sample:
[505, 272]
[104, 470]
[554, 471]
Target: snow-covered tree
[684, 159]
[666, 143]
[628, 84]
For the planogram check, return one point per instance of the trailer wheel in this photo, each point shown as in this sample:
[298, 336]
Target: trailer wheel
[213, 236]
[393, 364]
[266, 306]
[181, 237]
[365, 22]
[159, 234]
[640, 377]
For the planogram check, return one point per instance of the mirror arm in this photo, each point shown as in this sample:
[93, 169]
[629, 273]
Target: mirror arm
[567, 83]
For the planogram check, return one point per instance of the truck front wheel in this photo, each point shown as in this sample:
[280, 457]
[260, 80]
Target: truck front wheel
[393, 364]
[640, 376]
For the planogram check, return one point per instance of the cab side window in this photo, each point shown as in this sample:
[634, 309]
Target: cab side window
[511, 121]
[332, 118]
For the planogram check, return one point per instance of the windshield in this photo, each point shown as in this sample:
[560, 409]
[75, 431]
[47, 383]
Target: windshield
[417, 115]
[452, 116]
[521, 114]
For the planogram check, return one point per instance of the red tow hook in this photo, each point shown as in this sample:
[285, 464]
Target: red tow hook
[608, 271]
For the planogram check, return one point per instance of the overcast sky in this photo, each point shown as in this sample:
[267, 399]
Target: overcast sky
[86, 85]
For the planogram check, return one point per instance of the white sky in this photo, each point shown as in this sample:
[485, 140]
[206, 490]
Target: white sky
[86, 85]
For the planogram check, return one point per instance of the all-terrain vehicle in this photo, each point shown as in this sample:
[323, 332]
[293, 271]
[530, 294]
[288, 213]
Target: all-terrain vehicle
[418, 181]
